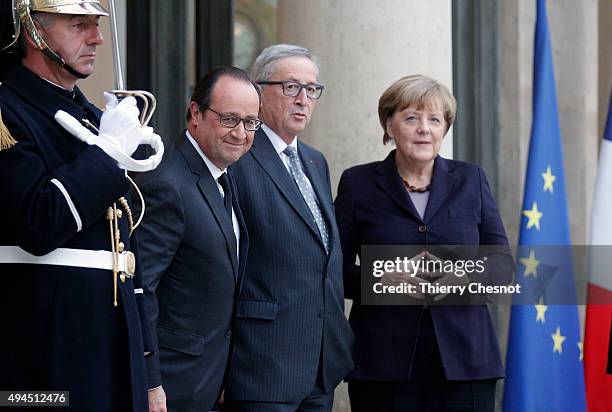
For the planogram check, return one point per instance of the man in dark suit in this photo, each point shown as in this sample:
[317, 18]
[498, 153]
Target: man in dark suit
[194, 244]
[292, 343]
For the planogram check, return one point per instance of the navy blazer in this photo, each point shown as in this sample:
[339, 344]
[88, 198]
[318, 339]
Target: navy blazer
[290, 312]
[191, 275]
[373, 207]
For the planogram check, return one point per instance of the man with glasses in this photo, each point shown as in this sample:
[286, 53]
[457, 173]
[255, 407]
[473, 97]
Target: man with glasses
[292, 343]
[193, 244]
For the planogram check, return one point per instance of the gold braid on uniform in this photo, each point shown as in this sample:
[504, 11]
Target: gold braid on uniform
[6, 140]
[124, 204]
[142, 204]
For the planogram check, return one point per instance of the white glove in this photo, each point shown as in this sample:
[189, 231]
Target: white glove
[120, 123]
[120, 134]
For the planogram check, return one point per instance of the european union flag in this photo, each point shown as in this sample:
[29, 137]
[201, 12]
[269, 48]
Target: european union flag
[544, 361]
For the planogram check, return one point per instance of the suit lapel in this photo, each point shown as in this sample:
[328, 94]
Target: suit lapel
[441, 184]
[264, 153]
[208, 187]
[389, 180]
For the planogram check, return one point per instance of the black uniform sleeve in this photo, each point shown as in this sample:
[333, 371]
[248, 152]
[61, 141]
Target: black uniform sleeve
[44, 209]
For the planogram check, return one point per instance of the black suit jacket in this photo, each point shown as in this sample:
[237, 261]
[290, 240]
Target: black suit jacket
[290, 314]
[191, 275]
[374, 208]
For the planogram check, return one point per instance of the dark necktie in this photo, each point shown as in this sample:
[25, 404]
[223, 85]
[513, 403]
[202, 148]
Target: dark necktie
[224, 181]
[295, 166]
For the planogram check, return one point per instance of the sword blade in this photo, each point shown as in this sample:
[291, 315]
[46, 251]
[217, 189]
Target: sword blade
[119, 85]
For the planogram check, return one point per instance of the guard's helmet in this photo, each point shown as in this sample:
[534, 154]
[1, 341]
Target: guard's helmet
[17, 16]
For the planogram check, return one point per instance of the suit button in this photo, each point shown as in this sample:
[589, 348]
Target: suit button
[422, 228]
[228, 334]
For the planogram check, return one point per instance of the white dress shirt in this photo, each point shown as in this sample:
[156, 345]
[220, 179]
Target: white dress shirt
[216, 172]
[280, 145]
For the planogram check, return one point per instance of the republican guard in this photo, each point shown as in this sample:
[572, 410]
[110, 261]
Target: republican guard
[71, 298]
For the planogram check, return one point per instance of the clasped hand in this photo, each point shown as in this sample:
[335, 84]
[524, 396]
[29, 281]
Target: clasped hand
[409, 278]
[424, 276]
[120, 134]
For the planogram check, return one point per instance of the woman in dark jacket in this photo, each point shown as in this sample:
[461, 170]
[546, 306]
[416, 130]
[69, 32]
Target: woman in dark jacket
[420, 357]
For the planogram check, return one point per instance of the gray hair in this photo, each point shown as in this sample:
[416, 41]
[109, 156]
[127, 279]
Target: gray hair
[45, 20]
[263, 67]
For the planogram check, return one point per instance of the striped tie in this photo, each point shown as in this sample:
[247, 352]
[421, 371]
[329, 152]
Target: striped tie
[307, 193]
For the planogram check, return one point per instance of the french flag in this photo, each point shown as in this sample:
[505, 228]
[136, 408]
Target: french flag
[597, 347]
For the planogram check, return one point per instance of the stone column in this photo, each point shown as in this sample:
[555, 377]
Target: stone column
[363, 47]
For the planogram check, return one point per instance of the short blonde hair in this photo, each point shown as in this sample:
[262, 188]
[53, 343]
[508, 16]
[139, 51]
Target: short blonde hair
[418, 91]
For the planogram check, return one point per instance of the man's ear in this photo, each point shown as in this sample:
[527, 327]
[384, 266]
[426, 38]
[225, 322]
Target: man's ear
[194, 111]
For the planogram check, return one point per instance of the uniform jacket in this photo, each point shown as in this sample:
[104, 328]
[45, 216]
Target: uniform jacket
[374, 208]
[191, 276]
[61, 329]
[290, 312]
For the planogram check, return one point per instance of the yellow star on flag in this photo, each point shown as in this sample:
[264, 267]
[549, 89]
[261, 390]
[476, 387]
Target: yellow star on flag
[580, 345]
[534, 216]
[558, 341]
[531, 264]
[541, 309]
[549, 179]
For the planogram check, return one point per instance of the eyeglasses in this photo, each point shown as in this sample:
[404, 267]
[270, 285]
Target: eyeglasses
[292, 89]
[231, 120]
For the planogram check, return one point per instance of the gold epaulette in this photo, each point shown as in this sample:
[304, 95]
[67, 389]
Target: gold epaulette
[6, 140]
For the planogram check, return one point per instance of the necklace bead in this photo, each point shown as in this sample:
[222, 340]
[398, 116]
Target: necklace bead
[412, 188]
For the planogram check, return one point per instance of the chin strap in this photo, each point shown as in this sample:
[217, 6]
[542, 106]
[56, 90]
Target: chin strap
[57, 59]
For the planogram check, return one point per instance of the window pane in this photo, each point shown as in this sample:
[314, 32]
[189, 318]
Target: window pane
[254, 29]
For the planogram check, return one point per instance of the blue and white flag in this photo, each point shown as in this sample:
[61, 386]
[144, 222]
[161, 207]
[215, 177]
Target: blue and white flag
[544, 360]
